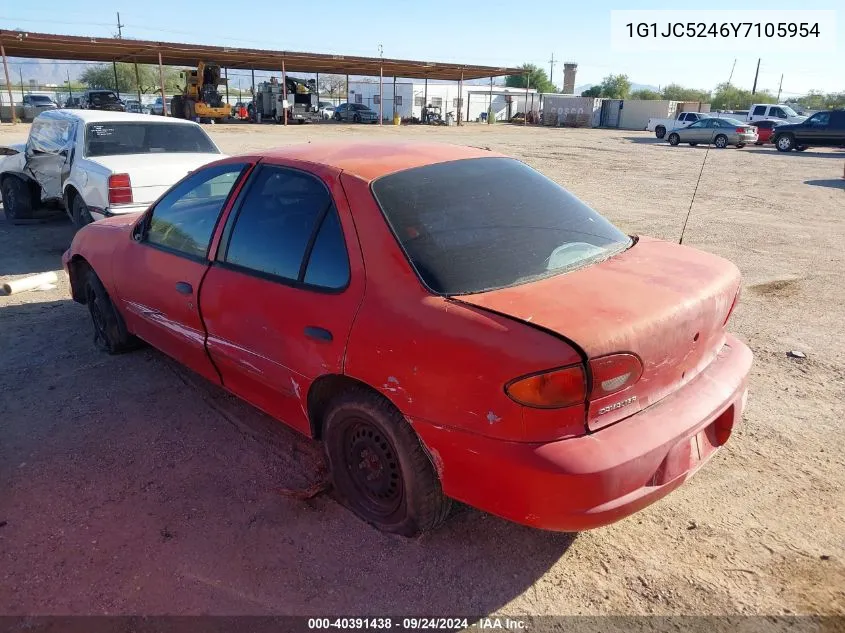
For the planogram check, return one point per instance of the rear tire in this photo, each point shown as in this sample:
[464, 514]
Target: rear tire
[785, 143]
[674, 139]
[190, 110]
[110, 334]
[177, 107]
[721, 141]
[693, 144]
[356, 118]
[17, 198]
[660, 131]
[80, 213]
[740, 145]
[801, 148]
[378, 465]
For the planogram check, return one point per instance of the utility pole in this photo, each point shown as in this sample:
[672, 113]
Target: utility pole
[69, 87]
[552, 69]
[780, 86]
[732, 72]
[119, 27]
[754, 89]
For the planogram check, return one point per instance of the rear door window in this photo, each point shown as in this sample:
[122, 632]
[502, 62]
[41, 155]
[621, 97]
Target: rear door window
[287, 228]
[759, 111]
[473, 225]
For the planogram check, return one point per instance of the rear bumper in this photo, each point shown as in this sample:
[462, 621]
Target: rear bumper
[593, 480]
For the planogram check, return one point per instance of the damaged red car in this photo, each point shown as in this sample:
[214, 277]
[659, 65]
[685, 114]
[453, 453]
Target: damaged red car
[448, 322]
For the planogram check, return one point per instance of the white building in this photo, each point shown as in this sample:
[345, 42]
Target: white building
[410, 97]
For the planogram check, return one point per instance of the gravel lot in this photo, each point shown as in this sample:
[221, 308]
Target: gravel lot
[129, 485]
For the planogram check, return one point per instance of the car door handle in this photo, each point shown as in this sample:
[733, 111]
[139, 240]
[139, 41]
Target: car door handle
[318, 334]
[183, 287]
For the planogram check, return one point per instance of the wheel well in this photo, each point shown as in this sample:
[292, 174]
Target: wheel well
[323, 391]
[78, 268]
[70, 194]
[34, 187]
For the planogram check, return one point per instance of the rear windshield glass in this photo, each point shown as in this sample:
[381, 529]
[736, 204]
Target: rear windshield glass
[474, 225]
[99, 98]
[40, 99]
[109, 139]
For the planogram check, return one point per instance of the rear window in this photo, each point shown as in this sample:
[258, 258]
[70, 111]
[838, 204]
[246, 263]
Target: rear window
[473, 225]
[110, 139]
[99, 98]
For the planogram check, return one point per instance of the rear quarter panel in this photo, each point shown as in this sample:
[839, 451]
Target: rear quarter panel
[437, 359]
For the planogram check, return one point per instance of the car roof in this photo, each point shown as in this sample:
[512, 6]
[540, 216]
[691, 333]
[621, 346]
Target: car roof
[105, 116]
[371, 160]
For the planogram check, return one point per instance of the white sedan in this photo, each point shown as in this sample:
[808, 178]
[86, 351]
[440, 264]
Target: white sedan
[97, 164]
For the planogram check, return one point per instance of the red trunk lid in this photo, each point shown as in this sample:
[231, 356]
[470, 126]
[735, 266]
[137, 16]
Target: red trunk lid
[663, 302]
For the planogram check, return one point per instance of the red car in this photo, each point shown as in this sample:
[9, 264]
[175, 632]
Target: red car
[765, 129]
[450, 323]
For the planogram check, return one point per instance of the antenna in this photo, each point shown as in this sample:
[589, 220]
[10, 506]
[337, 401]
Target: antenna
[689, 211]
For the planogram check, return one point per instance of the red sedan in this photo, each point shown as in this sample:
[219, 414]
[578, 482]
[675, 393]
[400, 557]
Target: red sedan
[765, 129]
[450, 323]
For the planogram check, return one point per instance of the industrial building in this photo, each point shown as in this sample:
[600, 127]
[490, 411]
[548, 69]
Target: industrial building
[407, 98]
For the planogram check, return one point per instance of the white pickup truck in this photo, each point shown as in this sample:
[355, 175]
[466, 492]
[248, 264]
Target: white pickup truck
[776, 111]
[683, 119]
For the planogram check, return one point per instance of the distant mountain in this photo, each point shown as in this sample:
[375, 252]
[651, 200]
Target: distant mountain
[634, 86]
[44, 71]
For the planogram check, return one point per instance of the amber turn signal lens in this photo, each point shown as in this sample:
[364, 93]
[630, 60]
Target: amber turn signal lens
[550, 390]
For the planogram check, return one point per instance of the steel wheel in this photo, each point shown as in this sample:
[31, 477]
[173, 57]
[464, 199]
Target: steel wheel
[373, 468]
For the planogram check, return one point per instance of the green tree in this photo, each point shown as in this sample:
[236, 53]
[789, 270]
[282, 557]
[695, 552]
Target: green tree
[615, 87]
[817, 100]
[102, 76]
[674, 92]
[333, 85]
[645, 93]
[593, 91]
[728, 97]
[537, 79]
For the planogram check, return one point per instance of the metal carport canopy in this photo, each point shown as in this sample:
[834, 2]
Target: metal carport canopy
[104, 49]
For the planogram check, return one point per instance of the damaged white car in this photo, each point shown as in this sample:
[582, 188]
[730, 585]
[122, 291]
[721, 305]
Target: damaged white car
[97, 164]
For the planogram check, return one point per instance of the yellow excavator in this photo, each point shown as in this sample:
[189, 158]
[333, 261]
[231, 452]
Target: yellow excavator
[200, 96]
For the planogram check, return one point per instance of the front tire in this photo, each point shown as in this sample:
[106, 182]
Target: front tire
[660, 131]
[378, 466]
[110, 334]
[785, 143]
[674, 139]
[356, 118]
[693, 144]
[740, 145]
[721, 141]
[17, 198]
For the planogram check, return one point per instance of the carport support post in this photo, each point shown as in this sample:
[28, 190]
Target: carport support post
[226, 75]
[161, 81]
[8, 85]
[380, 93]
[116, 85]
[137, 83]
[284, 91]
[525, 114]
[490, 105]
[347, 96]
[460, 97]
[394, 95]
[425, 96]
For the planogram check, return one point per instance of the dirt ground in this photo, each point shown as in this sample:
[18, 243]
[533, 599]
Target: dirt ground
[129, 485]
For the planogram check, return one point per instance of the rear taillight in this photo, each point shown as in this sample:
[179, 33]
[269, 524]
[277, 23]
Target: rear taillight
[740, 130]
[551, 389]
[613, 373]
[120, 189]
[733, 305]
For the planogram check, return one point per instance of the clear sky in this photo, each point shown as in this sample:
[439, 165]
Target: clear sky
[495, 32]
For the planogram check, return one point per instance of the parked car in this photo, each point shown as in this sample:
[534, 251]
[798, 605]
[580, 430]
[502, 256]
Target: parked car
[133, 105]
[326, 110]
[97, 164]
[720, 132]
[73, 102]
[825, 128]
[449, 322]
[765, 129]
[156, 108]
[33, 105]
[101, 100]
[780, 112]
[355, 112]
[683, 119]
